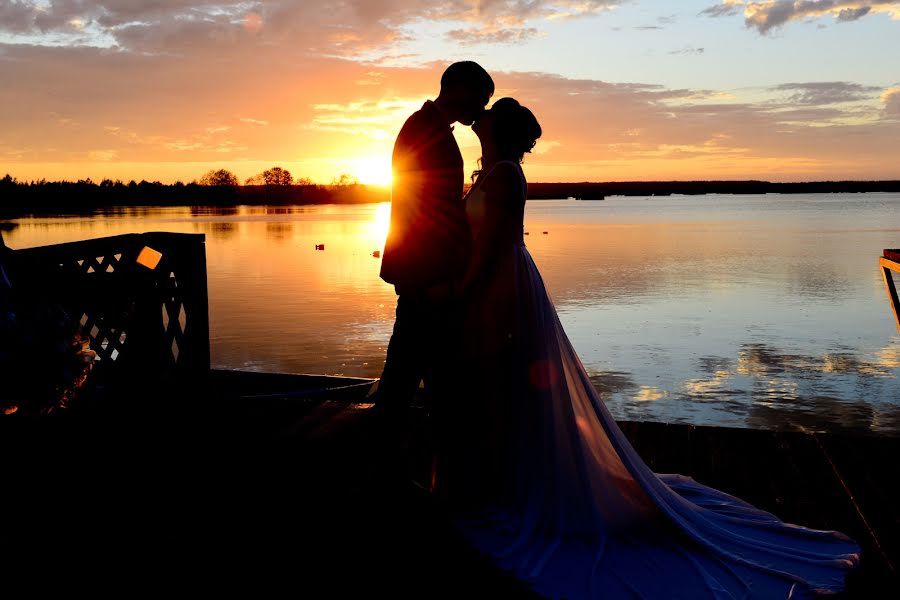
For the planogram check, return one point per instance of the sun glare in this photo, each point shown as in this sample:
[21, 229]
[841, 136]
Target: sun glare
[373, 170]
[381, 221]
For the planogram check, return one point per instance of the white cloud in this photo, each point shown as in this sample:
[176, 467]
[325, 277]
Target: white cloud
[493, 36]
[544, 146]
[687, 50]
[823, 93]
[103, 155]
[891, 100]
[380, 119]
[852, 14]
[727, 8]
[772, 14]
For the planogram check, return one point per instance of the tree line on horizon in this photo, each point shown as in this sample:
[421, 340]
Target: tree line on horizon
[216, 187]
[277, 186]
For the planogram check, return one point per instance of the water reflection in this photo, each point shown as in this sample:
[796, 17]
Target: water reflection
[206, 211]
[278, 231]
[219, 231]
[739, 311]
[888, 357]
[609, 383]
[818, 281]
[767, 388]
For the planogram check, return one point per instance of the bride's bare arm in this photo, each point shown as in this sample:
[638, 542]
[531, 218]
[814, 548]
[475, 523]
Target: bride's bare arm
[502, 188]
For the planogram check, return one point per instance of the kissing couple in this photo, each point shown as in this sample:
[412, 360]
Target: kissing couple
[537, 475]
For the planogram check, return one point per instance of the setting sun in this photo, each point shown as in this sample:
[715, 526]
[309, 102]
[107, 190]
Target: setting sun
[373, 170]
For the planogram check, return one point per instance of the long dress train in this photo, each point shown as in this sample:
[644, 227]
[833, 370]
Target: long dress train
[547, 485]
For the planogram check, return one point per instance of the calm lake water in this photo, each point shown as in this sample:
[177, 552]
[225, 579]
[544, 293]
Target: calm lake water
[763, 311]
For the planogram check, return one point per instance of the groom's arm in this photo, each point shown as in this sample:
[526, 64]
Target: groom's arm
[397, 266]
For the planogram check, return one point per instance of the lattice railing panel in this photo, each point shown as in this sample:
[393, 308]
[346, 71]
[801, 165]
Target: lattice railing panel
[107, 341]
[98, 264]
[140, 299]
[174, 316]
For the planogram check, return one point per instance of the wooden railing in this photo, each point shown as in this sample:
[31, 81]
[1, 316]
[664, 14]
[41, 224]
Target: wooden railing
[140, 301]
[889, 263]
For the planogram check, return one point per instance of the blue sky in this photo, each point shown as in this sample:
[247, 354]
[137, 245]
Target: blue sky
[675, 44]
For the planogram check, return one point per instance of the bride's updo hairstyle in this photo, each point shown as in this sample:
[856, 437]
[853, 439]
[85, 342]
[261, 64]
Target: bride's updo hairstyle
[515, 129]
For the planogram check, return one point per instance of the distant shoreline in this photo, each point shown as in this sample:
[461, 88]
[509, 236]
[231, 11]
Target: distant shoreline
[598, 191]
[43, 197]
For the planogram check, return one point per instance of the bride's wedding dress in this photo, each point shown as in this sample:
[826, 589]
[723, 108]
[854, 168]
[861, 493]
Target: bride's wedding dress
[548, 486]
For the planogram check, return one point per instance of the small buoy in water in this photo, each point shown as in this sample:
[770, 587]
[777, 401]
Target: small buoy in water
[377, 253]
[320, 246]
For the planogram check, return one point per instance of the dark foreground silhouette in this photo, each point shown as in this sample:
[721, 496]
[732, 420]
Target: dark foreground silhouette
[227, 490]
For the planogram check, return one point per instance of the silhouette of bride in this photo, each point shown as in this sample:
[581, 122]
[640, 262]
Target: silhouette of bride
[537, 473]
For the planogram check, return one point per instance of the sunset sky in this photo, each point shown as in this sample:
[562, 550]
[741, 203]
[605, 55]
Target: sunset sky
[625, 90]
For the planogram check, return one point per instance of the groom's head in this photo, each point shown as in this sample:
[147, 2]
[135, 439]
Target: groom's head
[466, 89]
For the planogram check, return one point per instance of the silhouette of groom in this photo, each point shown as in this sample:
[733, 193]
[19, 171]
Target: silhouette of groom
[428, 240]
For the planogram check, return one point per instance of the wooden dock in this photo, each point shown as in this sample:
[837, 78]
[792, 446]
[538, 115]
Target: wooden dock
[267, 483]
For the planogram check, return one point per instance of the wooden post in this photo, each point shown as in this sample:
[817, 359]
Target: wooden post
[887, 266]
